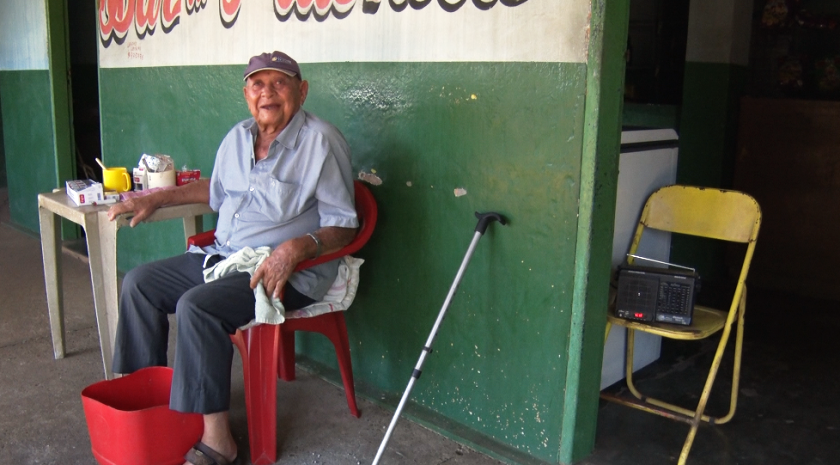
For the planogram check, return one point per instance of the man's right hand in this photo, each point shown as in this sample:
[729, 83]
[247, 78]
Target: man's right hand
[142, 207]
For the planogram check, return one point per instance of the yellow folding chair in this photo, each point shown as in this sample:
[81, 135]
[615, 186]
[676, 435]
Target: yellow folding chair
[704, 212]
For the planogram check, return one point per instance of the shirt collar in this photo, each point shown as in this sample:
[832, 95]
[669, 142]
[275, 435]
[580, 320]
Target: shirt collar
[288, 136]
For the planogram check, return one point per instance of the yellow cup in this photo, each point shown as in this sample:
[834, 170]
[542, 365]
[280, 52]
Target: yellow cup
[116, 179]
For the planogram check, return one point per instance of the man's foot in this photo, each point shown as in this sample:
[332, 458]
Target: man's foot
[217, 446]
[202, 454]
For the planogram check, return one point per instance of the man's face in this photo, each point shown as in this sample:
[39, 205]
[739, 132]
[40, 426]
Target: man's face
[274, 97]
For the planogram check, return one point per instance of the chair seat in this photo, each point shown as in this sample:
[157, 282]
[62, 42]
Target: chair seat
[705, 322]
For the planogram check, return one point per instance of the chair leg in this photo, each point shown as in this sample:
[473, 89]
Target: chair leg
[664, 408]
[696, 416]
[707, 389]
[258, 347]
[334, 327]
[342, 353]
[736, 366]
[286, 366]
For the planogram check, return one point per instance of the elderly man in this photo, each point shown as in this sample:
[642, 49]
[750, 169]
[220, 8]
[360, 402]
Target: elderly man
[281, 179]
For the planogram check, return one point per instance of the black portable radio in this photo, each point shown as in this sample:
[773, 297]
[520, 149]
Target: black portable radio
[664, 295]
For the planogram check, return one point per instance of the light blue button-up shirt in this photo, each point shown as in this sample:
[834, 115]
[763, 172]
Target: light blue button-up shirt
[304, 183]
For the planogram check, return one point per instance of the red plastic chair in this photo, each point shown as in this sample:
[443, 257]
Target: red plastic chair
[268, 351]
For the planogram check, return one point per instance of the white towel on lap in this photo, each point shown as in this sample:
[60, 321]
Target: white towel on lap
[271, 310]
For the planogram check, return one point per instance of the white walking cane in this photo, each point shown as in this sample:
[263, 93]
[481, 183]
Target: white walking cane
[484, 219]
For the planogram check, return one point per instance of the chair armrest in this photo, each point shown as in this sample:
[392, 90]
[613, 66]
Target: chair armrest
[202, 239]
[367, 212]
[323, 259]
[208, 237]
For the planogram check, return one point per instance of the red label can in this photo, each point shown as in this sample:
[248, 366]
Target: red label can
[186, 177]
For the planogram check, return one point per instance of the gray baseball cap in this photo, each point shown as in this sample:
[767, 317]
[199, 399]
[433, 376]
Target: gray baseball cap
[277, 61]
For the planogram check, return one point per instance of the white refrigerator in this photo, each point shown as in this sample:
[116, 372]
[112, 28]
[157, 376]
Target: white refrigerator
[648, 161]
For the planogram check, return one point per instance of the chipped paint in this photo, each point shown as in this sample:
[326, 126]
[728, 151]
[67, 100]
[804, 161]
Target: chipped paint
[370, 178]
[459, 192]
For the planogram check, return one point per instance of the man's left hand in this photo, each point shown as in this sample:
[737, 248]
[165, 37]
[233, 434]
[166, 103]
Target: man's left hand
[276, 269]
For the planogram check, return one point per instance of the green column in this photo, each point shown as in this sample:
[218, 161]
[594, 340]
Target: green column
[596, 215]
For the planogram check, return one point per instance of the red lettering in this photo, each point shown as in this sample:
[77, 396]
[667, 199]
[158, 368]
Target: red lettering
[283, 7]
[115, 17]
[170, 14]
[146, 16]
[228, 11]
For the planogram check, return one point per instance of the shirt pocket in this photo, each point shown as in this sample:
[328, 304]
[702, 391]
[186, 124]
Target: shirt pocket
[272, 200]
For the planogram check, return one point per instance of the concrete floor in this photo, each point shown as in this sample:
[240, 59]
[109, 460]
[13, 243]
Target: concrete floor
[787, 414]
[43, 421]
[788, 409]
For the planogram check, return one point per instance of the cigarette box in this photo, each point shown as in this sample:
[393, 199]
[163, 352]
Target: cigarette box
[84, 191]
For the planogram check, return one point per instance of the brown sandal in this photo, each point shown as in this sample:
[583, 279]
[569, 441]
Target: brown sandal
[202, 454]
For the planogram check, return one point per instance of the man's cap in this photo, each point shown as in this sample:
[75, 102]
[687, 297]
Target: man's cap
[277, 61]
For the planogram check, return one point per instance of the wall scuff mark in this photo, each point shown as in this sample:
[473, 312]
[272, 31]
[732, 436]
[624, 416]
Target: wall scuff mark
[370, 178]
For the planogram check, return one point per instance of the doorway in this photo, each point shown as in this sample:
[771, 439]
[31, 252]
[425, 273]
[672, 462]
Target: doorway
[84, 79]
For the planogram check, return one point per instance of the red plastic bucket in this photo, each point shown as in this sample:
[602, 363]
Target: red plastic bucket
[130, 422]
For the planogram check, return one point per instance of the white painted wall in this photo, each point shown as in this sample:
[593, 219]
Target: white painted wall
[719, 31]
[23, 35]
[536, 30]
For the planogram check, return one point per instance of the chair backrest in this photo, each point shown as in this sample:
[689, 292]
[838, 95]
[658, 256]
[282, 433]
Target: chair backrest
[702, 211]
[705, 212]
[367, 212]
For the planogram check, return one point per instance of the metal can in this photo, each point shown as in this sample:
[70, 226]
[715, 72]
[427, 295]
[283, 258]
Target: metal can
[186, 177]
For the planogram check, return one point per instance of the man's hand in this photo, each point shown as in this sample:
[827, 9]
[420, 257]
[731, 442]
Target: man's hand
[276, 269]
[142, 207]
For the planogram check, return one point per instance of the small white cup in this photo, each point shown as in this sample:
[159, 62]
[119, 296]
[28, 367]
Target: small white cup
[164, 179]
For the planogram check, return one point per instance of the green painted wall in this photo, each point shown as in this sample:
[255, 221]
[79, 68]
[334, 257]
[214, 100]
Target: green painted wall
[28, 141]
[510, 134]
[708, 132]
[2, 152]
[651, 115]
[709, 123]
[35, 105]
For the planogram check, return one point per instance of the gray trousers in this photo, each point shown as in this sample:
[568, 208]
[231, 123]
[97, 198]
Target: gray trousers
[206, 315]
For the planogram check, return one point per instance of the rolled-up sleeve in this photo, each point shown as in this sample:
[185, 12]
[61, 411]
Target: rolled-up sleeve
[335, 195]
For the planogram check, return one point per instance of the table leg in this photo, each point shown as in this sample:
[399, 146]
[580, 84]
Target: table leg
[51, 253]
[108, 246]
[96, 256]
